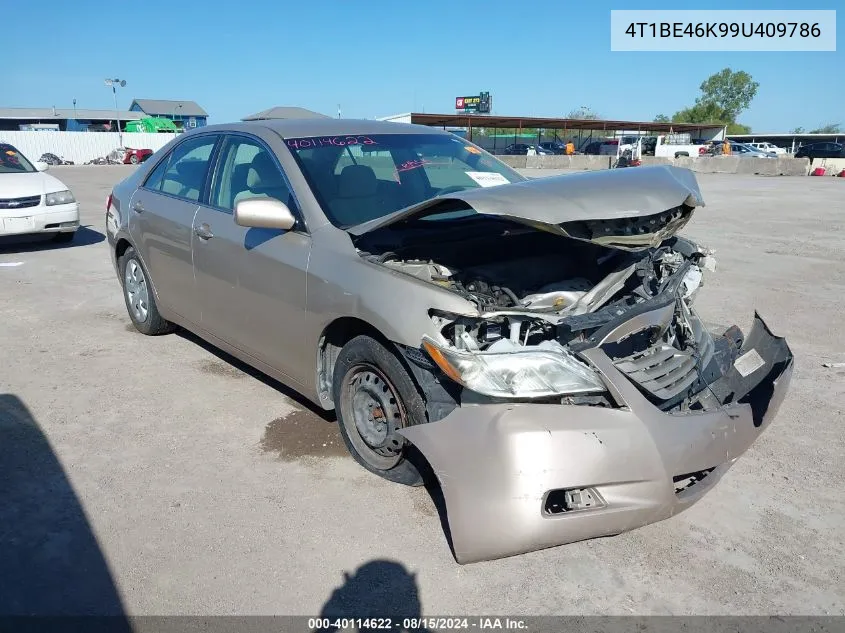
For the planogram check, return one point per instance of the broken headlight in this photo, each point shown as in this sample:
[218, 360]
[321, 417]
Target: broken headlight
[532, 373]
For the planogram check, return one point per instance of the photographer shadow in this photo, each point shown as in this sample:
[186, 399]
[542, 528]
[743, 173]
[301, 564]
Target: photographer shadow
[381, 591]
[50, 561]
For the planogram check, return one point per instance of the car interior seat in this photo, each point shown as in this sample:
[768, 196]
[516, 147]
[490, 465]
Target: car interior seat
[185, 179]
[358, 198]
[264, 180]
[240, 174]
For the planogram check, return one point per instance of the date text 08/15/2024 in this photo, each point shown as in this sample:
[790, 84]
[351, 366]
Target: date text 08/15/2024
[418, 624]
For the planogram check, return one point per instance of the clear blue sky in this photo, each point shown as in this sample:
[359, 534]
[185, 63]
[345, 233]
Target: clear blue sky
[543, 57]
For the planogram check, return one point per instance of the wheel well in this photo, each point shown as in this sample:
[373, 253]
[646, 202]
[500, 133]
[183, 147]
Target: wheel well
[337, 334]
[121, 247]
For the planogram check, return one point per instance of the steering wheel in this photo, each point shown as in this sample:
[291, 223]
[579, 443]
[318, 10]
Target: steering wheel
[452, 189]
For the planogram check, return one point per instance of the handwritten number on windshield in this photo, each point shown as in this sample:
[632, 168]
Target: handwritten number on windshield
[326, 141]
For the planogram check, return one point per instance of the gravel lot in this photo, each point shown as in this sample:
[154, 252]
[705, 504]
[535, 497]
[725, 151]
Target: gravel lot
[157, 476]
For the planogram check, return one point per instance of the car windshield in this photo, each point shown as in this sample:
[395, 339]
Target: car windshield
[360, 178]
[12, 161]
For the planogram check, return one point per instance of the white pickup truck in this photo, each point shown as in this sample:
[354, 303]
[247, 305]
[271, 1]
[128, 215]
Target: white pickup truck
[769, 148]
[676, 145]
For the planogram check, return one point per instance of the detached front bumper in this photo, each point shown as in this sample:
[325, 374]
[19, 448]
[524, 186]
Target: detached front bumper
[41, 219]
[522, 477]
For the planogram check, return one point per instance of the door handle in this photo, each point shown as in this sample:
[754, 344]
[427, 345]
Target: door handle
[203, 231]
[138, 207]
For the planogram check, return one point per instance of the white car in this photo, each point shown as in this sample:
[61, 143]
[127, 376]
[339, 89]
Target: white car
[32, 201]
[768, 148]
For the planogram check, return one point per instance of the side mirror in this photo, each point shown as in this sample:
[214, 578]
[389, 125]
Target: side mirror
[40, 166]
[264, 213]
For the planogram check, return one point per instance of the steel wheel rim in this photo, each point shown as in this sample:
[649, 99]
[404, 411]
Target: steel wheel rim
[372, 413]
[137, 293]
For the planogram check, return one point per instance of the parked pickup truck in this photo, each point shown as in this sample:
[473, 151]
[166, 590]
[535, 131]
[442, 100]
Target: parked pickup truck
[768, 148]
[676, 145]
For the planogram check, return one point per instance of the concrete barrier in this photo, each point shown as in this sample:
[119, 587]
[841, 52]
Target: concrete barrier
[781, 166]
[517, 162]
[656, 160]
[584, 161]
[578, 162]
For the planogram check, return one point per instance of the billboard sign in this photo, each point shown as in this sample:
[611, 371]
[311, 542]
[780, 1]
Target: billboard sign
[476, 103]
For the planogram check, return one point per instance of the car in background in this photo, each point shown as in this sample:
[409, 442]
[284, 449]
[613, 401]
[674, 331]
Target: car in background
[821, 150]
[747, 151]
[535, 340]
[768, 148]
[52, 159]
[521, 149]
[135, 156]
[128, 156]
[593, 147]
[32, 201]
[553, 147]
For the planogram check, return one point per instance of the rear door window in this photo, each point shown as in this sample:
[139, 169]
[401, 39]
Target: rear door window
[157, 175]
[183, 173]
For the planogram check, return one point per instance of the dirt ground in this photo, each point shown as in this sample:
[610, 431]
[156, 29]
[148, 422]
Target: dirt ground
[157, 476]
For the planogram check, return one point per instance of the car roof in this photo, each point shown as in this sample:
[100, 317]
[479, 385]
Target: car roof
[292, 128]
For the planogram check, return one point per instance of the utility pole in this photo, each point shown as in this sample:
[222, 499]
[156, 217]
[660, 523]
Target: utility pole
[114, 83]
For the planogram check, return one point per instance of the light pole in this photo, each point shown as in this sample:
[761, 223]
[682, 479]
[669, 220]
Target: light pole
[114, 83]
[173, 118]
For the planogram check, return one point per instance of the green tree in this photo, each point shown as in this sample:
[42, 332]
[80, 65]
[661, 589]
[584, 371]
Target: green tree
[662, 118]
[738, 128]
[583, 112]
[830, 128]
[797, 130]
[724, 96]
[731, 92]
[701, 113]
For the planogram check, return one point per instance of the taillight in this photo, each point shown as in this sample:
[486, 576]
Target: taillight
[108, 202]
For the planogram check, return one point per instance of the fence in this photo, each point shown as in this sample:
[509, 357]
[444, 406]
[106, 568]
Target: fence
[80, 146]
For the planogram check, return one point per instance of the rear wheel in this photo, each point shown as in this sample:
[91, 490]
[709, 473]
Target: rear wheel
[133, 159]
[375, 397]
[140, 301]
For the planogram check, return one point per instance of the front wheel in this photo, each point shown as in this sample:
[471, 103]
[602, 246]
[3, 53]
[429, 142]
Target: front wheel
[375, 397]
[133, 159]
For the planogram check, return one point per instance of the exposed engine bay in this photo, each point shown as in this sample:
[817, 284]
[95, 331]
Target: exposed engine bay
[535, 291]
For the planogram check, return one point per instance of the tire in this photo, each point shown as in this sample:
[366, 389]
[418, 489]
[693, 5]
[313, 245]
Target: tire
[139, 297]
[65, 237]
[133, 159]
[370, 378]
[680, 154]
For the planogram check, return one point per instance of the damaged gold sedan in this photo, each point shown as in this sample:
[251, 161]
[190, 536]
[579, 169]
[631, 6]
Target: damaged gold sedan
[533, 342]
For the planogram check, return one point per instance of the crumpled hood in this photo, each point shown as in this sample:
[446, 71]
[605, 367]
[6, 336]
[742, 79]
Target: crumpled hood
[28, 184]
[548, 203]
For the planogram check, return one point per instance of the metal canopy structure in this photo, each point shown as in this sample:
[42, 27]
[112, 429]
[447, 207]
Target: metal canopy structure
[489, 131]
[549, 123]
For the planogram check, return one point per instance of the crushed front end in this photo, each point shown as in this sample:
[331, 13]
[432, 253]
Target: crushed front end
[579, 394]
[589, 409]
